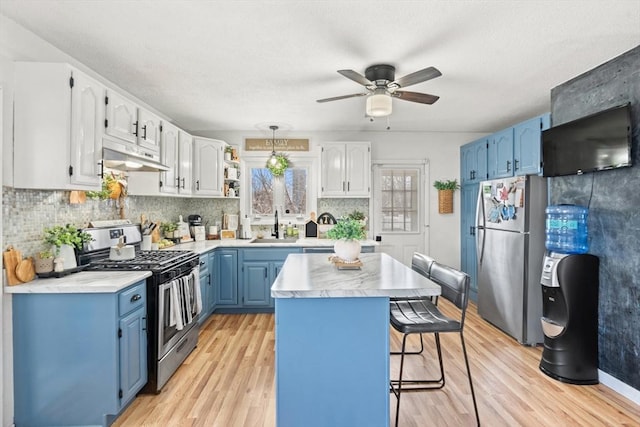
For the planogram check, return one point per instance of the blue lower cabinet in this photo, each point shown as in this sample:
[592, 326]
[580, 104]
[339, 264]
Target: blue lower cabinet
[227, 278]
[256, 280]
[79, 359]
[205, 288]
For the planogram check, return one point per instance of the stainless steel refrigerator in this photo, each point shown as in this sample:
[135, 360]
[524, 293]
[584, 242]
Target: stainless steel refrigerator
[510, 220]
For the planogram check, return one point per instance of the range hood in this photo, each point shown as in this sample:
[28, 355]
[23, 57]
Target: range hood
[129, 157]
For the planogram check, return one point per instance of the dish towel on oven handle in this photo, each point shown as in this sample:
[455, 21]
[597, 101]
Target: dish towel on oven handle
[186, 299]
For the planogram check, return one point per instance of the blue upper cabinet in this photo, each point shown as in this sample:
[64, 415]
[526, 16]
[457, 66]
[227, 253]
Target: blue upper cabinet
[527, 146]
[473, 159]
[500, 154]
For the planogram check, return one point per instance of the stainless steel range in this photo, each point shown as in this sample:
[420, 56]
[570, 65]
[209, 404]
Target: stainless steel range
[173, 297]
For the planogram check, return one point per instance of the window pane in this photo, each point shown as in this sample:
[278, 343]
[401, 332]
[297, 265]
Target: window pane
[261, 191]
[295, 197]
[399, 200]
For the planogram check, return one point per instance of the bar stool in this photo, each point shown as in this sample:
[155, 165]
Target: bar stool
[420, 317]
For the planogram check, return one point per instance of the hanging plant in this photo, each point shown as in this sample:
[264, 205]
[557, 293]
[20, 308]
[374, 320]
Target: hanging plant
[281, 164]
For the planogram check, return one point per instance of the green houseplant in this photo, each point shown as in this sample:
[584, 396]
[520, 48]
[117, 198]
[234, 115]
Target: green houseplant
[64, 241]
[445, 194]
[168, 228]
[347, 233]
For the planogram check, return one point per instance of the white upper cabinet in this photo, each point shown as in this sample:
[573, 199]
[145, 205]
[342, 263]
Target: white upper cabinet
[128, 122]
[121, 117]
[208, 168]
[58, 113]
[169, 157]
[149, 130]
[185, 149]
[346, 169]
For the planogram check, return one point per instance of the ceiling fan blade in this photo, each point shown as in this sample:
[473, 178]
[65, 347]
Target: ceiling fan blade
[417, 77]
[336, 98]
[356, 77]
[423, 98]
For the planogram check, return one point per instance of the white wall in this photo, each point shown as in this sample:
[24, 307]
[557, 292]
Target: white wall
[440, 149]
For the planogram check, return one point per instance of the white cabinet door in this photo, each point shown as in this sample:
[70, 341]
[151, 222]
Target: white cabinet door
[121, 118]
[333, 164]
[87, 111]
[149, 130]
[45, 123]
[185, 147]
[358, 176]
[208, 172]
[169, 157]
[346, 170]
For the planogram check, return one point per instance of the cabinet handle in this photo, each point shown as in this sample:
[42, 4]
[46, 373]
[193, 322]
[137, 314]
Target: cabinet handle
[178, 182]
[144, 323]
[101, 164]
[135, 132]
[135, 298]
[349, 186]
[472, 230]
[515, 165]
[342, 185]
[183, 183]
[508, 166]
[144, 128]
[198, 185]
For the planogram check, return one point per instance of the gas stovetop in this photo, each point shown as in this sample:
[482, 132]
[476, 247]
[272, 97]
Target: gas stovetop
[144, 260]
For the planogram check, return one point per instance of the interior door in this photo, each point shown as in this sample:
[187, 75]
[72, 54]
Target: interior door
[399, 209]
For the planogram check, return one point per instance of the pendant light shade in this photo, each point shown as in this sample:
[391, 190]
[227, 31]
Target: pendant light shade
[379, 105]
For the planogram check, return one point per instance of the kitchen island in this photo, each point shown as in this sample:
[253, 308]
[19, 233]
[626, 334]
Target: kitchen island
[332, 338]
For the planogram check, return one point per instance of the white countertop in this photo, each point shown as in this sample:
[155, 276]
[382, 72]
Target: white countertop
[82, 282]
[208, 245]
[314, 276]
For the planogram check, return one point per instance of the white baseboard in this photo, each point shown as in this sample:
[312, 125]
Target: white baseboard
[619, 387]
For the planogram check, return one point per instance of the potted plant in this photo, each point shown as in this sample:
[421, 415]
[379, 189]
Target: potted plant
[64, 241]
[445, 194]
[228, 150]
[168, 229]
[358, 216]
[44, 261]
[347, 233]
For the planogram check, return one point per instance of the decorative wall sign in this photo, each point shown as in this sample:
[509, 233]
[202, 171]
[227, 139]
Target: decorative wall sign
[267, 144]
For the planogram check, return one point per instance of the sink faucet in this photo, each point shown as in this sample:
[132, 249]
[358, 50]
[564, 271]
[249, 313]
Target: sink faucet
[276, 227]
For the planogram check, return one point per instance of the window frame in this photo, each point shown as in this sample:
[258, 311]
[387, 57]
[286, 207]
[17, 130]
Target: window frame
[307, 160]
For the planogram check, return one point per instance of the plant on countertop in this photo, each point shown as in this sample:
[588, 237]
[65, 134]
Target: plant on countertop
[447, 185]
[168, 227]
[347, 229]
[45, 254]
[357, 215]
[59, 235]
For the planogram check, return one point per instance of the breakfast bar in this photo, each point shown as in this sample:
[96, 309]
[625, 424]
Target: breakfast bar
[332, 338]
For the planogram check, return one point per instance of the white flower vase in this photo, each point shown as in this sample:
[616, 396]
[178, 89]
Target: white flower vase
[68, 255]
[347, 250]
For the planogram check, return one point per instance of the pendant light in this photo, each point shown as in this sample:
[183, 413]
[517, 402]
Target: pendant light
[273, 160]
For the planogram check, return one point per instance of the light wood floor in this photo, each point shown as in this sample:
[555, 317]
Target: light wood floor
[228, 381]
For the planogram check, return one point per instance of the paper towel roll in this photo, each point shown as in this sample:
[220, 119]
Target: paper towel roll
[246, 228]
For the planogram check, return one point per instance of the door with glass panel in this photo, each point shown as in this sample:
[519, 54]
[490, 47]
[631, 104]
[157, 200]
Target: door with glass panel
[399, 207]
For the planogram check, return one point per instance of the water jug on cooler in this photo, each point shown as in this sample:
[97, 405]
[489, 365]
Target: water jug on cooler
[566, 229]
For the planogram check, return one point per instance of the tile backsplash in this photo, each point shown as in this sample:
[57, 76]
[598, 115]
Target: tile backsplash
[26, 213]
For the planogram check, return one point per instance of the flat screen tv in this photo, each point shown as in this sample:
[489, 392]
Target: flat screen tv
[592, 143]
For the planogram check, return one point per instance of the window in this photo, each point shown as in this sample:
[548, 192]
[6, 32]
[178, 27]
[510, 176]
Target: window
[399, 200]
[293, 195]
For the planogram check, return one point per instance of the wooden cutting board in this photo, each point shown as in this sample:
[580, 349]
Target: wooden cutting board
[25, 271]
[11, 258]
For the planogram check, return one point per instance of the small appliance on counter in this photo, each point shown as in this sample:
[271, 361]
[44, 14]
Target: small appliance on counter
[196, 228]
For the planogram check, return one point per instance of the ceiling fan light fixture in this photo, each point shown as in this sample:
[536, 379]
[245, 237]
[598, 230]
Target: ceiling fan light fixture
[379, 105]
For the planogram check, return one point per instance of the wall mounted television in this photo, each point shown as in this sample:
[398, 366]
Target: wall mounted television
[597, 142]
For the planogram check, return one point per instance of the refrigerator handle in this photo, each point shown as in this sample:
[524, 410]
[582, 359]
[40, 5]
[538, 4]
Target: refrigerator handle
[480, 216]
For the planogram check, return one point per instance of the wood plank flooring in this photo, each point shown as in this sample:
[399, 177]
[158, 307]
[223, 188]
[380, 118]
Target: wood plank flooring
[229, 381]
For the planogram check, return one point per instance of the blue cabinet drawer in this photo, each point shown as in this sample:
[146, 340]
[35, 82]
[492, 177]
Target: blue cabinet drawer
[132, 298]
[269, 254]
[204, 264]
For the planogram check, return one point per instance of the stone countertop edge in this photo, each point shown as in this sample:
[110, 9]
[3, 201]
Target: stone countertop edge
[314, 276]
[82, 282]
[205, 246]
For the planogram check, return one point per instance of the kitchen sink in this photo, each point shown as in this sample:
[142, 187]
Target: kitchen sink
[272, 241]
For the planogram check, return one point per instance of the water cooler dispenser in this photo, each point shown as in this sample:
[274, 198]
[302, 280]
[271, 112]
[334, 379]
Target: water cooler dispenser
[569, 298]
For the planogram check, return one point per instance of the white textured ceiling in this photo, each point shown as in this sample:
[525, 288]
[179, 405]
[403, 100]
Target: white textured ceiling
[242, 65]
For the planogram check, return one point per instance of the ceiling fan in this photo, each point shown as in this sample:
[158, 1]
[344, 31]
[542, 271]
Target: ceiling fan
[382, 85]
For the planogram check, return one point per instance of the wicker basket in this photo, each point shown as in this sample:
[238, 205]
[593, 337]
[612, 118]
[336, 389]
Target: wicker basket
[445, 201]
